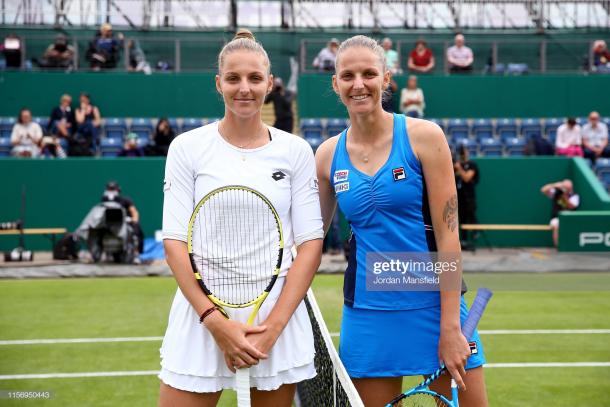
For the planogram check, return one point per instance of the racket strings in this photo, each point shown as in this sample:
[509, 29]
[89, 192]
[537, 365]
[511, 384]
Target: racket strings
[238, 245]
[421, 400]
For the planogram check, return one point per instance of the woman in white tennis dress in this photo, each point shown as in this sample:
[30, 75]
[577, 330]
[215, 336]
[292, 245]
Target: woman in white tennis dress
[199, 360]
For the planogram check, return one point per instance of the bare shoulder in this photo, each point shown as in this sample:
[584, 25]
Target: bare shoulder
[325, 153]
[425, 136]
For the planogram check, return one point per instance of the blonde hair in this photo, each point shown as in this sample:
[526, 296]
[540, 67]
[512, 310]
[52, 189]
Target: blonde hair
[362, 41]
[243, 40]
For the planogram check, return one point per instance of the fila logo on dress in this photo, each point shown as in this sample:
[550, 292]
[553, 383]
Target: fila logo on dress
[399, 173]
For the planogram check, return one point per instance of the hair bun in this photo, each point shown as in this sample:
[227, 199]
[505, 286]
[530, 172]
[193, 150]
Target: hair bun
[244, 33]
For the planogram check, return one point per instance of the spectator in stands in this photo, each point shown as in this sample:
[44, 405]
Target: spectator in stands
[595, 138]
[601, 57]
[325, 60]
[62, 121]
[282, 105]
[60, 54]
[391, 57]
[11, 49]
[131, 148]
[387, 101]
[412, 102]
[569, 139]
[104, 50]
[26, 137]
[421, 59]
[112, 193]
[89, 122]
[137, 59]
[564, 199]
[164, 135]
[459, 56]
[466, 178]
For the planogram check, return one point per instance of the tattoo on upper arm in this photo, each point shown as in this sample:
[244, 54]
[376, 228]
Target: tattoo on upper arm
[450, 213]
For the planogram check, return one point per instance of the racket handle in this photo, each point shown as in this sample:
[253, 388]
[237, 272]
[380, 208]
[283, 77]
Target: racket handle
[242, 383]
[476, 311]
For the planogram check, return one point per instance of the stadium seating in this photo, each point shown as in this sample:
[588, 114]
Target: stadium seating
[482, 128]
[490, 147]
[531, 128]
[143, 127]
[191, 123]
[458, 129]
[115, 127]
[550, 128]
[314, 142]
[514, 146]
[469, 144]
[439, 122]
[5, 146]
[335, 126]
[111, 146]
[506, 128]
[311, 128]
[42, 122]
[173, 123]
[6, 126]
[602, 169]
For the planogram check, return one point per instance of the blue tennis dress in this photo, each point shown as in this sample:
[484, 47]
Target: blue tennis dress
[388, 333]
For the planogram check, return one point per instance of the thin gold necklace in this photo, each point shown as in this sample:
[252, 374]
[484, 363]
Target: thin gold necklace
[228, 139]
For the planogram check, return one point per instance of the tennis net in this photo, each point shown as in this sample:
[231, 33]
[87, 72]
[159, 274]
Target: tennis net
[332, 386]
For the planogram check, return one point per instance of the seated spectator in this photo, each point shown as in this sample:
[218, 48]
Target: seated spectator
[282, 105]
[564, 199]
[89, 122]
[569, 139]
[391, 57]
[26, 137]
[164, 134]
[60, 54]
[104, 50]
[131, 148]
[325, 60]
[421, 59]
[459, 56]
[62, 121]
[11, 49]
[412, 102]
[595, 138]
[601, 57]
[387, 100]
[137, 59]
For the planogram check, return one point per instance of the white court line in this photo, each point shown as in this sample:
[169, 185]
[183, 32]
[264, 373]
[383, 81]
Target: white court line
[154, 372]
[334, 334]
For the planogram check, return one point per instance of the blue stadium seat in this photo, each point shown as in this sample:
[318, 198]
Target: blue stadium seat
[458, 129]
[335, 126]
[469, 144]
[506, 128]
[211, 120]
[64, 144]
[439, 122]
[531, 128]
[311, 128]
[6, 126]
[111, 146]
[143, 127]
[490, 147]
[42, 122]
[550, 128]
[602, 169]
[514, 146]
[5, 146]
[606, 120]
[143, 142]
[314, 142]
[115, 127]
[482, 128]
[190, 123]
[173, 123]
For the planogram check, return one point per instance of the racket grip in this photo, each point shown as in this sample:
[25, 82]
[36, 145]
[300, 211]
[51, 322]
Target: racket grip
[242, 384]
[476, 311]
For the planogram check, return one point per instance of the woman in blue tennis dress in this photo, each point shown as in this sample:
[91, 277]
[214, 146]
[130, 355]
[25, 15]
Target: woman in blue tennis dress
[392, 177]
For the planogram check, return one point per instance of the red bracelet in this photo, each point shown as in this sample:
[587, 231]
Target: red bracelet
[207, 312]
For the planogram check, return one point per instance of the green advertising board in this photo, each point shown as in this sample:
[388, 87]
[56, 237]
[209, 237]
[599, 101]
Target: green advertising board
[584, 231]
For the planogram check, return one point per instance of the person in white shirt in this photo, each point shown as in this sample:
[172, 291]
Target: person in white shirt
[391, 57]
[325, 60]
[569, 139]
[595, 138]
[26, 137]
[412, 102]
[199, 360]
[459, 56]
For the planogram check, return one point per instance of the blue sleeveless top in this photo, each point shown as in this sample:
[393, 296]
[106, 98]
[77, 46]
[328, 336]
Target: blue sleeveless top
[387, 212]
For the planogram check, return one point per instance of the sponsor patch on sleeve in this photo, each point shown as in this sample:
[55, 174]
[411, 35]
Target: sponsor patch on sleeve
[314, 184]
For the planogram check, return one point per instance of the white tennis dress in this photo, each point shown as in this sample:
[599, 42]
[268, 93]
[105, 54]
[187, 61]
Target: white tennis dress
[284, 171]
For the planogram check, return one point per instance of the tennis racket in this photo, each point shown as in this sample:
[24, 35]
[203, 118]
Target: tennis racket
[421, 395]
[235, 244]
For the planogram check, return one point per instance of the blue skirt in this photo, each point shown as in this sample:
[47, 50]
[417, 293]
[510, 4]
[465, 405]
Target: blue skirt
[380, 343]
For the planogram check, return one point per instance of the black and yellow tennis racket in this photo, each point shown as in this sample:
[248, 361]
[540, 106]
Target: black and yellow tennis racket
[235, 244]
